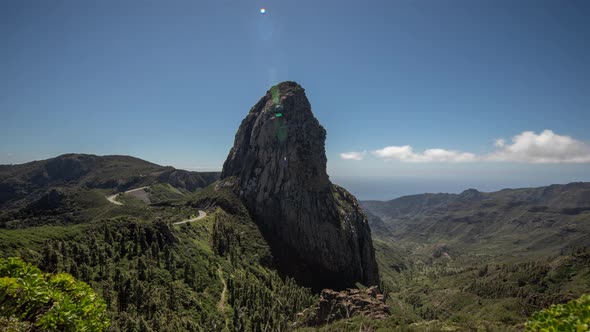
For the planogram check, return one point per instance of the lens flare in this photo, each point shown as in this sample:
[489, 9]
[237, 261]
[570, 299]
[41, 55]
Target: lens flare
[262, 11]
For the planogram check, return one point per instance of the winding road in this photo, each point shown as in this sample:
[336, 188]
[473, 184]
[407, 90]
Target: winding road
[113, 199]
[202, 214]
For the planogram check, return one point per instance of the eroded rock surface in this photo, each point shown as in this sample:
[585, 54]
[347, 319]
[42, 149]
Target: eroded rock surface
[335, 305]
[316, 230]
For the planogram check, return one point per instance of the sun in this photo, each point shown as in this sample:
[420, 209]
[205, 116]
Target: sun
[262, 11]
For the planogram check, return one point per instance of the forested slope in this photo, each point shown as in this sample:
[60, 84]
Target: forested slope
[213, 274]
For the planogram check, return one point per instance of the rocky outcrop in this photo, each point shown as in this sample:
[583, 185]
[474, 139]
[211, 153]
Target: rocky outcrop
[317, 231]
[335, 305]
[188, 180]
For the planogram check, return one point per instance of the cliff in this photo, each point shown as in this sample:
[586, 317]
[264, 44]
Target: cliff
[317, 231]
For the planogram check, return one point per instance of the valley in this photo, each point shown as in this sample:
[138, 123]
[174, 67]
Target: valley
[483, 261]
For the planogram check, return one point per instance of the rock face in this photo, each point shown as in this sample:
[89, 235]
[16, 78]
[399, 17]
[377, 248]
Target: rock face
[316, 230]
[188, 180]
[335, 305]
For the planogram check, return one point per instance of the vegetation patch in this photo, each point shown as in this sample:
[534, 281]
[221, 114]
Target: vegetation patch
[30, 299]
[572, 316]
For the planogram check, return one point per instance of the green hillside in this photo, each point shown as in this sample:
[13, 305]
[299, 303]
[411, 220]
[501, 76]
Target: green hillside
[533, 222]
[72, 188]
[213, 274]
[118, 173]
[479, 261]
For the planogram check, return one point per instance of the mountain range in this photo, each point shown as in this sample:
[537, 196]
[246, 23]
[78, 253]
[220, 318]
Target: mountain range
[527, 221]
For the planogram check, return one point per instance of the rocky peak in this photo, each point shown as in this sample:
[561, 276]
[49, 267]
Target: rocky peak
[316, 230]
[471, 195]
[282, 128]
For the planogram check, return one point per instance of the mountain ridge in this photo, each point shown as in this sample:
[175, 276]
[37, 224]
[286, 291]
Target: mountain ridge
[116, 172]
[526, 220]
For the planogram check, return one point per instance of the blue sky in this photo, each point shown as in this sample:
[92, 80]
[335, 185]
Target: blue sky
[170, 81]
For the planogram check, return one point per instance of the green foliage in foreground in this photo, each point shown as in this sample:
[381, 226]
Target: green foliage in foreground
[572, 316]
[51, 302]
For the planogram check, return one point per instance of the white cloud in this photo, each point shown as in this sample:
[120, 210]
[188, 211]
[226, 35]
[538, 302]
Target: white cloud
[394, 152]
[527, 147]
[406, 153]
[353, 155]
[546, 147]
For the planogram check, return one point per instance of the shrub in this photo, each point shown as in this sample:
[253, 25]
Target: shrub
[572, 316]
[50, 302]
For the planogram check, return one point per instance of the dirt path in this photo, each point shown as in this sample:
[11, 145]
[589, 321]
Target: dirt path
[221, 304]
[202, 214]
[113, 198]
